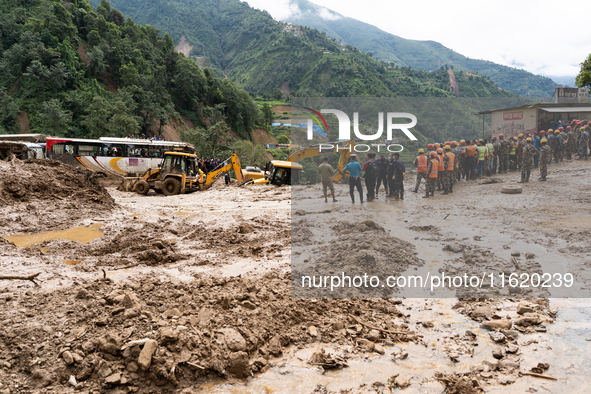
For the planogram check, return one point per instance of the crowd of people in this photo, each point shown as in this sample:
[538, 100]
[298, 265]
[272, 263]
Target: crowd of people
[444, 164]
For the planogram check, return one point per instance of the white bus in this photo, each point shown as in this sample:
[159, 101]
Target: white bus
[115, 156]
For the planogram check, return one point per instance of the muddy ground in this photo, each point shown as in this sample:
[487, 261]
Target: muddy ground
[193, 293]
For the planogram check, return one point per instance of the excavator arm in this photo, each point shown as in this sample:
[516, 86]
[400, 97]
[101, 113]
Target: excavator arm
[313, 151]
[232, 163]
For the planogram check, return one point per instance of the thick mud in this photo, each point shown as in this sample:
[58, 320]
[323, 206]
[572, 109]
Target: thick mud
[193, 293]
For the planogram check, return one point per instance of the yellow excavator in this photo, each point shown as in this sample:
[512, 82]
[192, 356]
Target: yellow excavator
[288, 172]
[179, 174]
[314, 150]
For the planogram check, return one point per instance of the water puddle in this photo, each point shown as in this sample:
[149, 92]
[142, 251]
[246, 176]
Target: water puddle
[82, 234]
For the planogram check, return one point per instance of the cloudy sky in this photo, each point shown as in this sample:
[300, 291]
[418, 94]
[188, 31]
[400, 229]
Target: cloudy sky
[545, 37]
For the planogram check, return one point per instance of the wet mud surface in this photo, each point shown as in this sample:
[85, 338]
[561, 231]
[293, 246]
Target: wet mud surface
[193, 293]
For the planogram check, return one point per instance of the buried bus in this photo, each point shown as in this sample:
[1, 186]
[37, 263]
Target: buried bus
[115, 156]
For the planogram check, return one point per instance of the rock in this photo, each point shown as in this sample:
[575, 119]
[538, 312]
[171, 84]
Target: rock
[234, 340]
[497, 324]
[274, 347]
[529, 319]
[172, 312]
[67, 356]
[524, 308]
[88, 346]
[105, 370]
[109, 344]
[366, 344]
[313, 331]
[248, 305]
[205, 315]
[113, 379]
[490, 365]
[79, 386]
[131, 313]
[530, 256]
[498, 353]
[77, 358]
[506, 379]
[514, 334]
[497, 336]
[169, 336]
[374, 335]
[512, 348]
[402, 382]
[238, 364]
[82, 294]
[509, 364]
[130, 300]
[339, 325]
[379, 349]
[145, 357]
[300, 212]
[481, 311]
[133, 367]
[454, 247]
[515, 253]
[72, 381]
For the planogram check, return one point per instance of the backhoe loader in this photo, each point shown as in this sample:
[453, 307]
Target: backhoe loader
[179, 174]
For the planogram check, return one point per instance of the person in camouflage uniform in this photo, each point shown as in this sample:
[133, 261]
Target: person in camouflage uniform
[448, 160]
[519, 147]
[545, 155]
[496, 150]
[505, 147]
[527, 162]
[461, 158]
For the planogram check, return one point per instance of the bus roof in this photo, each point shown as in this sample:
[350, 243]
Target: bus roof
[179, 154]
[24, 137]
[142, 141]
[287, 164]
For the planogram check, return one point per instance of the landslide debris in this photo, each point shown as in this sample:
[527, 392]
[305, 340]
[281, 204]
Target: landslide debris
[149, 335]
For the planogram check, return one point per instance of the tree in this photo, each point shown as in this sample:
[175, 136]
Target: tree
[584, 77]
[283, 139]
[267, 114]
[54, 119]
[8, 110]
[249, 153]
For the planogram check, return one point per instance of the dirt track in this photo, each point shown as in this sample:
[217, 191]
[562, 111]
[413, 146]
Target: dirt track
[206, 277]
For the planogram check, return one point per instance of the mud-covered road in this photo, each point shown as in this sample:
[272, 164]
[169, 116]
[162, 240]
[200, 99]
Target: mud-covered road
[193, 293]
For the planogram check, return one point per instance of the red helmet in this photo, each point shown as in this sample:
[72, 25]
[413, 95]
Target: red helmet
[561, 128]
[542, 132]
[568, 128]
[574, 121]
[501, 136]
[462, 142]
[529, 135]
[447, 143]
[429, 146]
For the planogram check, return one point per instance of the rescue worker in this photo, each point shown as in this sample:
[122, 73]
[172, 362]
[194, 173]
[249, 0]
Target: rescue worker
[421, 165]
[399, 171]
[558, 146]
[537, 145]
[432, 171]
[481, 158]
[382, 173]
[440, 173]
[551, 141]
[490, 155]
[568, 143]
[513, 154]
[371, 173]
[496, 150]
[449, 163]
[505, 147]
[527, 160]
[471, 157]
[462, 160]
[584, 143]
[519, 150]
[354, 170]
[545, 154]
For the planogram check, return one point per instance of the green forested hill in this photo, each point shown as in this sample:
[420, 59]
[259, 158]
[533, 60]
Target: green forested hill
[262, 55]
[423, 55]
[69, 70]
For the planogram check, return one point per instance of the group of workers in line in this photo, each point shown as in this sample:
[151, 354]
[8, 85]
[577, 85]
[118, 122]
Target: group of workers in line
[444, 164]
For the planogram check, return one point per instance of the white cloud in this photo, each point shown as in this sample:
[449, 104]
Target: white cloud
[279, 9]
[508, 32]
[327, 15]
